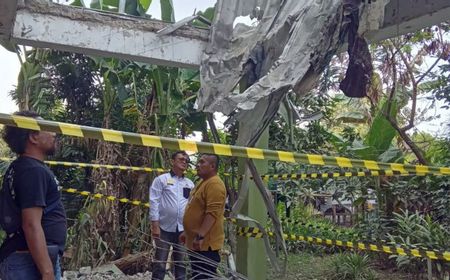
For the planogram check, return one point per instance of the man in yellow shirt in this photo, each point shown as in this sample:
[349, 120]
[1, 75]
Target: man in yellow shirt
[204, 217]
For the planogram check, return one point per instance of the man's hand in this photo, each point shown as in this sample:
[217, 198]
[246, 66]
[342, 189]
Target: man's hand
[182, 238]
[197, 244]
[50, 276]
[156, 231]
[198, 241]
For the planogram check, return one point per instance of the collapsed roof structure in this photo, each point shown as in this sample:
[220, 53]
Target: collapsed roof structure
[287, 50]
[289, 47]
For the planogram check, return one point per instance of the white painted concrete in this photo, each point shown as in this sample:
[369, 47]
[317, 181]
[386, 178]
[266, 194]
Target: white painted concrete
[127, 37]
[61, 33]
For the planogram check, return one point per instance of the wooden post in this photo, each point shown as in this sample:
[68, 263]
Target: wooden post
[429, 269]
[333, 209]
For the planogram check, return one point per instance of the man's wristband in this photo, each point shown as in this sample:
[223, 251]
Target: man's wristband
[198, 237]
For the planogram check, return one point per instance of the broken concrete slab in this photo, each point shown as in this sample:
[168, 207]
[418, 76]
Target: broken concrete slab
[108, 268]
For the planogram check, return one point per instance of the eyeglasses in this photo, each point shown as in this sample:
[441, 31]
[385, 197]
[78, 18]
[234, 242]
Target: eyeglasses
[183, 160]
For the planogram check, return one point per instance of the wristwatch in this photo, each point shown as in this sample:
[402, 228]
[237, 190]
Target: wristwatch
[198, 237]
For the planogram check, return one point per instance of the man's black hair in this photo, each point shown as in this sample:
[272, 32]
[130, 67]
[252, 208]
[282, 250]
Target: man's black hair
[174, 155]
[216, 160]
[17, 137]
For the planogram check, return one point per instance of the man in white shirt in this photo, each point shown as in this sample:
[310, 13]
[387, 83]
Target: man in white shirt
[169, 195]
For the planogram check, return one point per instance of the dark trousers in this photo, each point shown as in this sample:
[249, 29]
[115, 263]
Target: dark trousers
[162, 252]
[202, 269]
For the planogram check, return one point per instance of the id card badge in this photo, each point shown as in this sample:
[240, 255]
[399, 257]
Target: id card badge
[170, 182]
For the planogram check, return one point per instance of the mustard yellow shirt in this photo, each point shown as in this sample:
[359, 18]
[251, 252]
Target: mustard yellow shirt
[208, 197]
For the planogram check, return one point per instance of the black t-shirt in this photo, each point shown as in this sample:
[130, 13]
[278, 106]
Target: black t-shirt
[35, 185]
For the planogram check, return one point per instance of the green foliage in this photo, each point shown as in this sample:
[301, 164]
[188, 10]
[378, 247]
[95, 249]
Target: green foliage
[440, 86]
[167, 11]
[381, 133]
[132, 7]
[377, 142]
[437, 150]
[413, 230]
[289, 132]
[207, 14]
[75, 83]
[428, 195]
[374, 228]
[85, 242]
[352, 266]
[143, 6]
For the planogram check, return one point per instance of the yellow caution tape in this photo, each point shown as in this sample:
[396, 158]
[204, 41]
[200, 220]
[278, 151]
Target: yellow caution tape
[266, 177]
[202, 147]
[368, 173]
[109, 197]
[96, 165]
[251, 232]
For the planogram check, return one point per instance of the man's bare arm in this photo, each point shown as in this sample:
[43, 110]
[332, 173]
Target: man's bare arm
[34, 235]
[207, 224]
[156, 232]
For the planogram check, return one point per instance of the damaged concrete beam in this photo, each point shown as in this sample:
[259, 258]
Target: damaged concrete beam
[405, 16]
[7, 14]
[67, 28]
[43, 24]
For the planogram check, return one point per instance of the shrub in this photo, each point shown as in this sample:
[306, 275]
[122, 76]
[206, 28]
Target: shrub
[352, 266]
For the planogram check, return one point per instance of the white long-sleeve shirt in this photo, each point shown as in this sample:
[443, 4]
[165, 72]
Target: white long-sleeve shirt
[168, 200]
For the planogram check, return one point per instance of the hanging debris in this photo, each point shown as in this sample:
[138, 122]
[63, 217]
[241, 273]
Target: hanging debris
[287, 50]
[359, 70]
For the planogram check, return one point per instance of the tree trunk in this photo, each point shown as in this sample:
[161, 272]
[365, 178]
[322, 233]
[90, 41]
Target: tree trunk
[135, 263]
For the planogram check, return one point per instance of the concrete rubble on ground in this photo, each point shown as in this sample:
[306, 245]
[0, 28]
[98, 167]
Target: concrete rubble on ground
[108, 271]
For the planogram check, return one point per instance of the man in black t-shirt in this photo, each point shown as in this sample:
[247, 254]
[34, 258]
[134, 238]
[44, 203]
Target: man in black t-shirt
[33, 251]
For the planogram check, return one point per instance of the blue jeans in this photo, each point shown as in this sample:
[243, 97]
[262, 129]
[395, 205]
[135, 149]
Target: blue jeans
[20, 266]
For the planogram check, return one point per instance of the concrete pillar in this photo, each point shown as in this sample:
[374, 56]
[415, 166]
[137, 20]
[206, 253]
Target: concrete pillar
[251, 254]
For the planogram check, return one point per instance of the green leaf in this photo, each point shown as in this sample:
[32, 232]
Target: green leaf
[381, 133]
[78, 3]
[283, 111]
[196, 121]
[208, 14]
[97, 4]
[352, 117]
[360, 201]
[391, 155]
[167, 11]
[189, 74]
[131, 7]
[363, 151]
[112, 4]
[144, 5]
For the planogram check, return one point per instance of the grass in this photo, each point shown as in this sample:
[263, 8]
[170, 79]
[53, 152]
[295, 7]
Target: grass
[310, 266]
